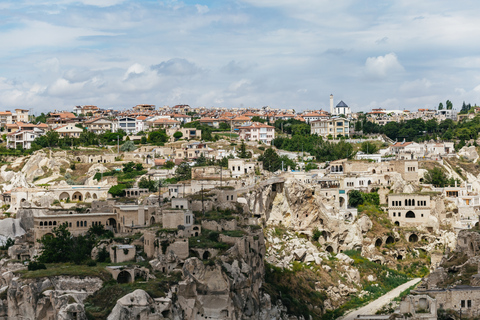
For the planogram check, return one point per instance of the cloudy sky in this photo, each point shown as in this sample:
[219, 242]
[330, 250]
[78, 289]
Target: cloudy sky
[238, 53]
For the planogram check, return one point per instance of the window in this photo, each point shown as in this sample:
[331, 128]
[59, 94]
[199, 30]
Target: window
[463, 303]
[394, 214]
[469, 303]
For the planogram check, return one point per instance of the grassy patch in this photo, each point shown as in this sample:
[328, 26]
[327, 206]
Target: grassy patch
[67, 269]
[208, 239]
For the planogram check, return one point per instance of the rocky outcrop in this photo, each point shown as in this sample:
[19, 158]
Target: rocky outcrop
[135, 305]
[49, 298]
[468, 153]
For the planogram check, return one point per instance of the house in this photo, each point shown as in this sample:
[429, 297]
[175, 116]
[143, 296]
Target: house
[192, 150]
[336, 127]
[144, 108]
[69, 130]
[409, 210]
[187, 133]
[127, 124]
[257, 131]
[23, 138]
[60, 118]
[99, 125]
[165, 123]
[240, 120]
[183, 118]
[241, 167]
[209, 122]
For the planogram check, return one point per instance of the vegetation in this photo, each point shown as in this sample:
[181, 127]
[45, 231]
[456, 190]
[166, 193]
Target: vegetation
[63, 247]
[273, 162]
[357, 198]
[438, 178]
[99, 305]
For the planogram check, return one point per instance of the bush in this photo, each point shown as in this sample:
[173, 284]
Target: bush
[316, 234]
[91, 263]
[103, 255]
[33, 265]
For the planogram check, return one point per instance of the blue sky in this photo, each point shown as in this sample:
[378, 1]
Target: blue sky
[238, 53]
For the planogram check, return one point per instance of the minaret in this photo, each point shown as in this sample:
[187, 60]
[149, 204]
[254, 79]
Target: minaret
[331, 104]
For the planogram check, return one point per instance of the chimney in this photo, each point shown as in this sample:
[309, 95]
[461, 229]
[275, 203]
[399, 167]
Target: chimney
[331, 104]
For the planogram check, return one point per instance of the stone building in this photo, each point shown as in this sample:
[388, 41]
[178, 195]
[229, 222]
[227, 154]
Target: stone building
[240, 167]
[409, 210]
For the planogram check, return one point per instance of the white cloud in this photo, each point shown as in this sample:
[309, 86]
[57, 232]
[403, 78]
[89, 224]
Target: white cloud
[382, 66]
[202, 9]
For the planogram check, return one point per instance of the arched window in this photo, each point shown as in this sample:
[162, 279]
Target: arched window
[41, 224]
[78, 224]
[410, 214]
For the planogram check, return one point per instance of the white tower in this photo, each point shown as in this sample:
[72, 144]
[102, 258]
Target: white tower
[331, 104]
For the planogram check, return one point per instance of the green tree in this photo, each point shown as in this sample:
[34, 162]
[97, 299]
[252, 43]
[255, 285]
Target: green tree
[369, 147]
[56, 248]
[128, 146]
[151, 185]
[158, 137]
[169, 165]
[177, 135]
[449, 105]
[128, 167]
[183, 172]
[436, 177]
[258, 119]
[355, 198]
[41, 118]
[440, 106]
[117, 190]
[242, 151]
[223, 126]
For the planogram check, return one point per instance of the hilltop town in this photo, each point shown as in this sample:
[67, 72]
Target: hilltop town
[241, 213]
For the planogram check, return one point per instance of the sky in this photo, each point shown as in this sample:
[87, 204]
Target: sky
[116, 54]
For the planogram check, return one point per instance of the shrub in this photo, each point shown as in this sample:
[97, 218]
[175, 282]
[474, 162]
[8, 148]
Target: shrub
[33, 265]
[91, 263]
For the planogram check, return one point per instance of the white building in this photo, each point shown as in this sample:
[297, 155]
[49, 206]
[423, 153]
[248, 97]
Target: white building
[127, 124]
[23, 138]
[257, 131]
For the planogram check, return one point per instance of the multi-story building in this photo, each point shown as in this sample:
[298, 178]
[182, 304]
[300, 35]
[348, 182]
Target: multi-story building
[7, 117]
[257, 131]
[187, 133]
[99, 125]
[23, 138]
[336, 127]
[127, 124]
[69, 130]
[409, 210]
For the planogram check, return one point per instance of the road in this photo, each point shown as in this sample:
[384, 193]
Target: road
[375, 305]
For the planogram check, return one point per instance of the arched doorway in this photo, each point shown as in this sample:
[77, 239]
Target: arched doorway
[413, 238]
[389, 240]
[397, 223]
[206, 255]
[152, 220]
[64, 196]
[124, 277]
[342, 201]
[77, 196]
[378, 243]
[94, 195]
[410, 214]
[87, 196]
[329, 249]
[112, 223]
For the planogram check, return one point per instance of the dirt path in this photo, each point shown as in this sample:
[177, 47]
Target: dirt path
[375, 305]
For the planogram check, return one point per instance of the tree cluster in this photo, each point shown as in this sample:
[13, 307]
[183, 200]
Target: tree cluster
[63, 247]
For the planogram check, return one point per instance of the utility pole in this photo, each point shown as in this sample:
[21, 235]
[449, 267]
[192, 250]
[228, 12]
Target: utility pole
[160, 199]
[203, 207]
[118, 144]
